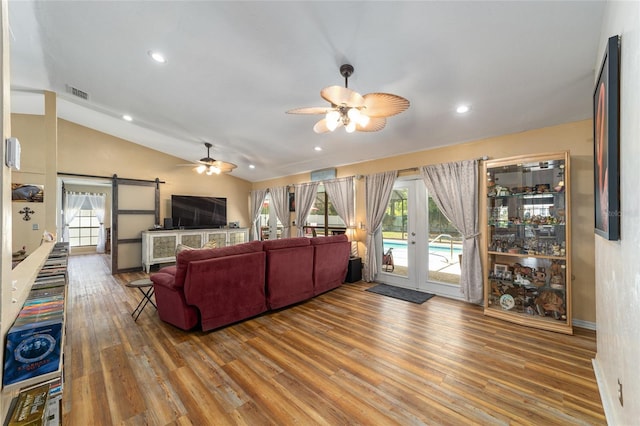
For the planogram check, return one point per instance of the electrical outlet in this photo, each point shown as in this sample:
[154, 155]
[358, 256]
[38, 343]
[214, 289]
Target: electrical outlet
[620, 393]
[35, 227]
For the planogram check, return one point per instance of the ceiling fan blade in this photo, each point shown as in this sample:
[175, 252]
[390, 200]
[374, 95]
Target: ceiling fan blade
[321, 126]
[339, 95]
[309, 110]
[384, 104]
[375, 124]
[223, 166]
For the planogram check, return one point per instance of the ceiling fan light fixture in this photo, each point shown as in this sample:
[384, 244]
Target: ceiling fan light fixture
[211, 166]
[352, 110]
[332, 119]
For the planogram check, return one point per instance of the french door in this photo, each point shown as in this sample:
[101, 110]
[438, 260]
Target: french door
[421, 249]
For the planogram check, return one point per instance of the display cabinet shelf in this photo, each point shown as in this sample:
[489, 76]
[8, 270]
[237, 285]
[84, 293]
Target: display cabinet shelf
[527, 243]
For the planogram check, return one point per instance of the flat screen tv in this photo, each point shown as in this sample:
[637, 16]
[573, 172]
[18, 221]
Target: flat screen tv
[192, 211]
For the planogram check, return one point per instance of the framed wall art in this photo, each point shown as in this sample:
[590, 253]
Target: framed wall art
[606, 134]
[29, 193]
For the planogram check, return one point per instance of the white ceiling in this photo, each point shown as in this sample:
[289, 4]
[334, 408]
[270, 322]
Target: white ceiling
[235, 67]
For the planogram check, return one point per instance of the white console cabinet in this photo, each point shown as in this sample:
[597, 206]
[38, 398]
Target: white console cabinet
[160, 246]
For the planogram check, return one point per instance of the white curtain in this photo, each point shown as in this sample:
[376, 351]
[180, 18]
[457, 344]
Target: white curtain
[378, 190]
[305, 196]
[280, 200]
[454, 189]
[257, 199]
[73, 203]
[342, 194]
[97, 202]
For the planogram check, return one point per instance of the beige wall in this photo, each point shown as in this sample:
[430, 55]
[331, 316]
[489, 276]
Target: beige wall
[32, 171]
[575, 137]
[85, 151]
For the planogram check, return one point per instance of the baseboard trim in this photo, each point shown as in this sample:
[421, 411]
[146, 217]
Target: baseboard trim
[607, 404]
[584, 324]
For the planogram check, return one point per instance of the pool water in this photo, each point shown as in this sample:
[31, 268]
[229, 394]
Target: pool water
[442, 249]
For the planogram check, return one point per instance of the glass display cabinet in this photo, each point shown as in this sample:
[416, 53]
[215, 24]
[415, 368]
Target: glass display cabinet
[527, 265]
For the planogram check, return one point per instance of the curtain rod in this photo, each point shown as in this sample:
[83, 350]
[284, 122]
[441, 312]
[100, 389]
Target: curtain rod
[415, 169]
[85, 193]
[357, 177]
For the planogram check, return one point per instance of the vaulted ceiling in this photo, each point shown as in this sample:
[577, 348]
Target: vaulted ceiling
[234, 68]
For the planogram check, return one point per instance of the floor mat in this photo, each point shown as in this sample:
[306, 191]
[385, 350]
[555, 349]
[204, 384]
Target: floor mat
[413, 296]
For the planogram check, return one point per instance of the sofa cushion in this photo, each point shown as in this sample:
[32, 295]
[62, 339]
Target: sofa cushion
[210, 244]
[182, 247]
[316, 241]
[285, 243]
[183, 258]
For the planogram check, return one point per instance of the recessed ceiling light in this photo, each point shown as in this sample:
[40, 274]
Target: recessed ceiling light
[251, 166]
[462, 109]
[127, 117]
[317, 148]
[157, 56]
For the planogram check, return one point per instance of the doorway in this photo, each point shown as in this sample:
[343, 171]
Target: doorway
[421, 248]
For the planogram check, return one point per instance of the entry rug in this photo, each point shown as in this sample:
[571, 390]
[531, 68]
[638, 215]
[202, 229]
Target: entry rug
[401, 293]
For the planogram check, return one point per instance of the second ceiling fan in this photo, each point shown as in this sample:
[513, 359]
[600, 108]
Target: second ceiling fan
[352, 110]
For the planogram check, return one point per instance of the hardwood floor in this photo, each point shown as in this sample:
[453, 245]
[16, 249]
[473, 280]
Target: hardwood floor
[345, 357]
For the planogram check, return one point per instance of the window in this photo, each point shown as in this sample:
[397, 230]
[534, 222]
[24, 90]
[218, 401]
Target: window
[445, 247]
[270, 225]
[83, 229]
[323, 218]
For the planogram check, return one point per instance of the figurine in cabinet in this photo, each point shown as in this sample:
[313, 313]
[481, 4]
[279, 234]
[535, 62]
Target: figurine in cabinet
[556, 272]
[549, 302]
[540, 277]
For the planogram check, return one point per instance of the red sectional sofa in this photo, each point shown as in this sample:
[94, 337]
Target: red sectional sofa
[216, 287]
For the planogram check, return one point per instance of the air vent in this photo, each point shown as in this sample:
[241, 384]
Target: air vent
[77, 92]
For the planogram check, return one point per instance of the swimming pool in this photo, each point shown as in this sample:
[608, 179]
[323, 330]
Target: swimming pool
[437, 248]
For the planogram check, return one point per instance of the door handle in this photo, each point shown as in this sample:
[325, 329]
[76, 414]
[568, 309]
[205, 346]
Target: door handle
[413, 234]
[413, 242]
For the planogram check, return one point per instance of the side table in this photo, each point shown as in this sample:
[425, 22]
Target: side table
[354, 271]
[145, 286]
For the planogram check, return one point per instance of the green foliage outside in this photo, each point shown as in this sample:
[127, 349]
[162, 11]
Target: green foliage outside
[394, 222]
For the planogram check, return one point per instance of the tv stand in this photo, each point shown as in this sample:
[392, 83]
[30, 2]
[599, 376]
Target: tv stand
[159, 246]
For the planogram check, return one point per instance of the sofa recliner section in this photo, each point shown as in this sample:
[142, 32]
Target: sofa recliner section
[289, 277]
[330, 262]
[208, 285]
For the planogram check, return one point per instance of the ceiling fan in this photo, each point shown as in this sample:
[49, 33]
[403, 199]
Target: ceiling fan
[350, 109]
[210, 166]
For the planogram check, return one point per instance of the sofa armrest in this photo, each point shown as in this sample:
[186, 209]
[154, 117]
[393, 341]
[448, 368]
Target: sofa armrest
[165, 280]
[171, 270]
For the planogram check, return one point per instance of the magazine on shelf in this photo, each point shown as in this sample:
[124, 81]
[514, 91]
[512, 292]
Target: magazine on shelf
[32, 349]
[30, 407]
